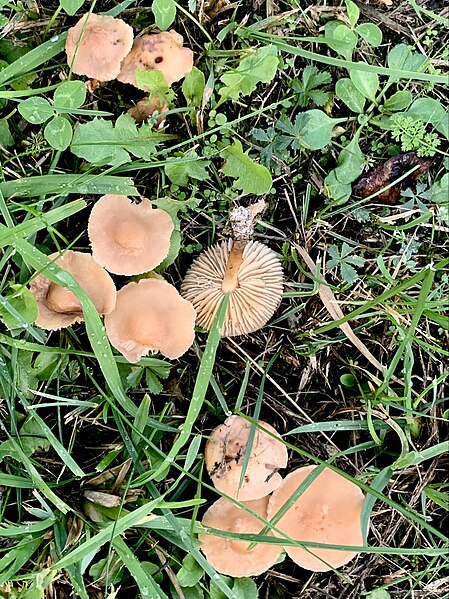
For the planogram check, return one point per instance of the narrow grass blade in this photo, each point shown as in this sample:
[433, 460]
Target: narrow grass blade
[25, 529]
[85, 184]
[57, 446]
[148, 588]
[17, 557]
[345, 64]
[199, 391]
[33, 225]
[111, 531]
[379, 483]
[340, 425]
[33, 59]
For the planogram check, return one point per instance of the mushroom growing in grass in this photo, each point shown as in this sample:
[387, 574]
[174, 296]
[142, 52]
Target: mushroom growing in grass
[248, 270]
[231, 556]
[96, 46]
[327, 512]
[157, 52]
[225, 454]
[151, 316]
[128, 238]
[59, 307]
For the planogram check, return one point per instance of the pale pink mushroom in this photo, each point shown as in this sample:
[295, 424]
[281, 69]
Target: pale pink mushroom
[231, 556]
[151, 316]
[96, 48]
[128, 238]
[59, 307]
[327, 512]
[157, 52]
[225, 453]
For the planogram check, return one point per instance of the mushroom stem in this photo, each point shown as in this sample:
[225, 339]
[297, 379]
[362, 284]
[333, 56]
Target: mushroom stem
[242, 224]
[235, 259]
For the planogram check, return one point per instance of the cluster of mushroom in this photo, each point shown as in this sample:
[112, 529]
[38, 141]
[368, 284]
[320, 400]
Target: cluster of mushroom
[328, 511]
[103, 48]
[126, 239]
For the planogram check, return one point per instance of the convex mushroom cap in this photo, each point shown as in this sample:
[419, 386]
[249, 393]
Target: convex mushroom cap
[128, 238]
[59, 307]
[225, 453]
[151, 316]
[253, 278]
[98, 47]
[327, 512]
[230, 556]
[157, 52]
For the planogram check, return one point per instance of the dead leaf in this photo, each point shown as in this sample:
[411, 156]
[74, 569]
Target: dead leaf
[387, 173]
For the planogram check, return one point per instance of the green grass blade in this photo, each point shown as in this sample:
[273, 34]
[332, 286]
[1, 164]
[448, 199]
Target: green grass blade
[200, 388]
[85, 184]
[397, 74]
[115, 529]
[33, 59]
[148, 588]
[35, 224]
[17, 557]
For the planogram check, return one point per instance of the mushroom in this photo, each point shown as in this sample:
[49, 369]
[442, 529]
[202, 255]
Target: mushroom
[151, 316]
[157, 52]
[146, 108]
[225, 453]
[247, 270]
[96, 46]
[128, 238]
[230, 556]
[327, 512]
[59, 307]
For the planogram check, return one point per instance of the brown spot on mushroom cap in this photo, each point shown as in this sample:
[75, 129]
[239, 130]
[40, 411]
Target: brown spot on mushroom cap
[225, 453]
[229, 556]
[59, 307]
[105, 42]
[157, 52]
[128, 238]
[151, 316]
[327, 512]
[254, 295]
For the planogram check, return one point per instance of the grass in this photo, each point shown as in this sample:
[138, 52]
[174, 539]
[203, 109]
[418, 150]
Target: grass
[102, 477]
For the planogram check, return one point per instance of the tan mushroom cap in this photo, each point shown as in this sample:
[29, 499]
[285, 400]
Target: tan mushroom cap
[225, 452]
[327, 512]
[104, 44]
[229, 556]
[128, 238]
[253, 300]
[59, 307]
[151, 316]
[157, 52]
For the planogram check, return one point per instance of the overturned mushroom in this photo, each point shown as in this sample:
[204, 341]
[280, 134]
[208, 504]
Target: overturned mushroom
[225, 454]
[248, 270]
[157, 52]
[128, 238]
[96, 46]
[59, 307]
[327, 512]
[151, 316]
[231, 556]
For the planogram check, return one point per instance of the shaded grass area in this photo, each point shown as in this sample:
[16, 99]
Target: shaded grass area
[101, 494]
